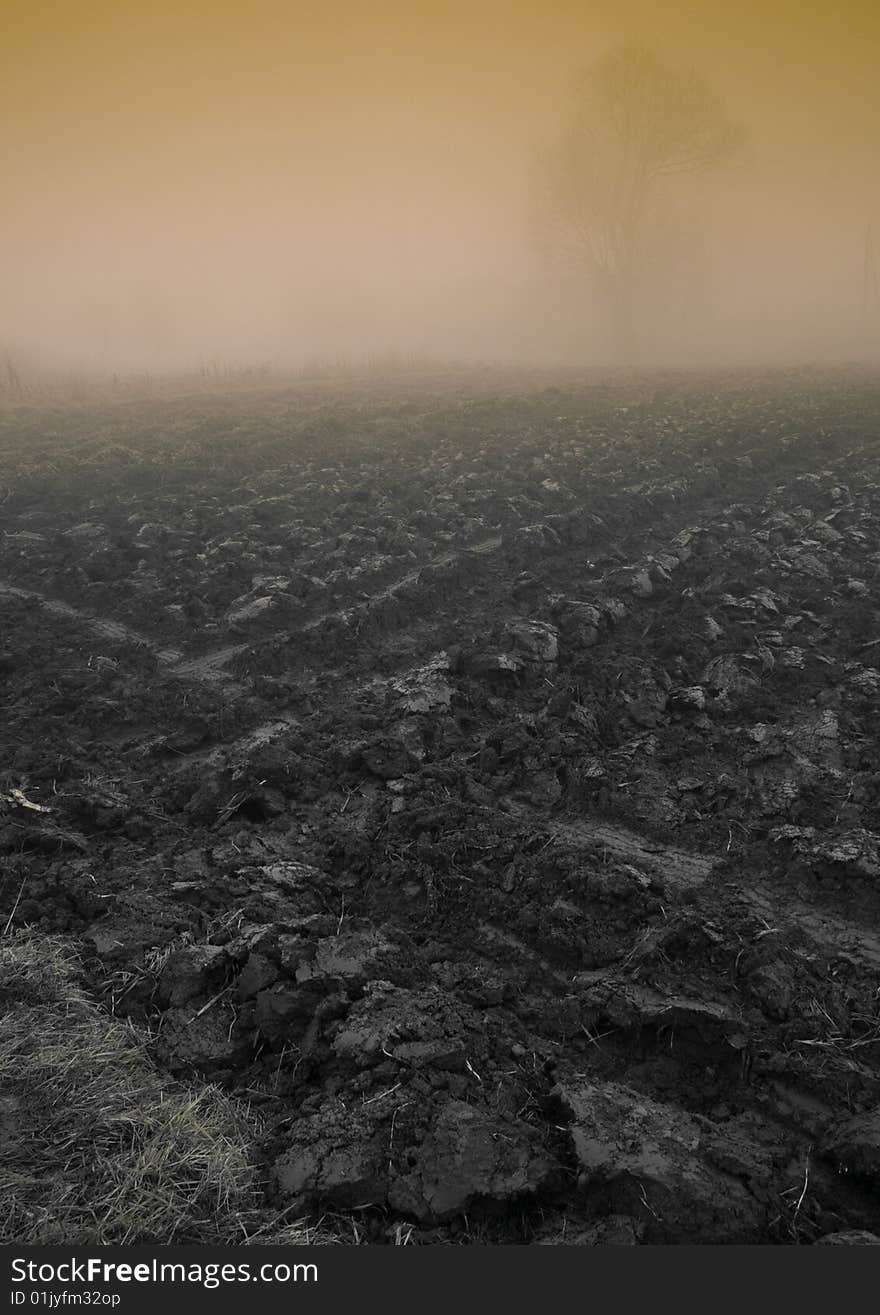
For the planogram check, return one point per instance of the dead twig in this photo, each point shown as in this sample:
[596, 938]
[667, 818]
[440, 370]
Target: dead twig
[15, 905]
[214, 998]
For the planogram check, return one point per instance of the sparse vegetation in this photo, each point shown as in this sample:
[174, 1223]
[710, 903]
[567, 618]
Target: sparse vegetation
[97, 1145]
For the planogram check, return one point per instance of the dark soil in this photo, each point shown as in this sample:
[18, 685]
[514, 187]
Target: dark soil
[479, 779]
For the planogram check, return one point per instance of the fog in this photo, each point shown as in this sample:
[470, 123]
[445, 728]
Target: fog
[280, 183]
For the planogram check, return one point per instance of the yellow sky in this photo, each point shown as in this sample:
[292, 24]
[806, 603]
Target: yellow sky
[154, 145]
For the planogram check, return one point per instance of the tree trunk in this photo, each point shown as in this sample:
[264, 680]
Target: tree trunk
[621, 303]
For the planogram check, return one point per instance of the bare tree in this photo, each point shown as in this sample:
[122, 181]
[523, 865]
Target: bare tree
[633, 124]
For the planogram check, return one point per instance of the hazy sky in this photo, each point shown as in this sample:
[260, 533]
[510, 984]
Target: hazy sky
[270, 177]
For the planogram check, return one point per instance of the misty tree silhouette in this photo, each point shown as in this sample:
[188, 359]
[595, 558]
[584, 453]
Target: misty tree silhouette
[633, 122]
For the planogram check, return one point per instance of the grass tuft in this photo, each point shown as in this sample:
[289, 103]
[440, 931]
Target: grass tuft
[95, 1145]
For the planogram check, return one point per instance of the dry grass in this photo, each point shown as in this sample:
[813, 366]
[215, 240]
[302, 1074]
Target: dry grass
[95, 1145]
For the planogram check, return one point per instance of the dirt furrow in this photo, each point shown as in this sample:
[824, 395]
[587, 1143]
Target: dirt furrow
[103, 626]
[677, 869]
